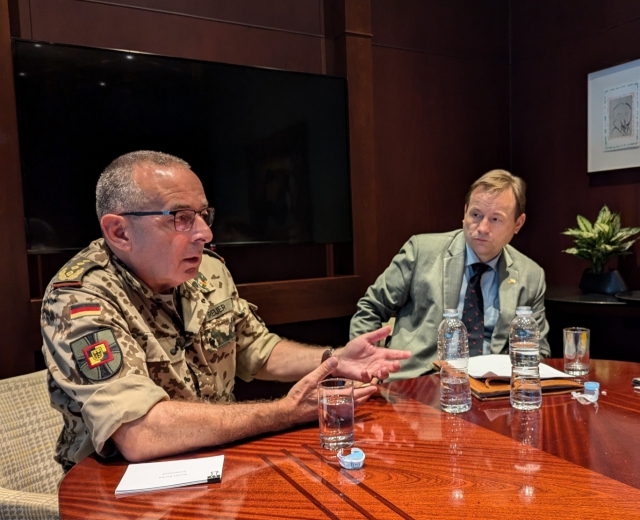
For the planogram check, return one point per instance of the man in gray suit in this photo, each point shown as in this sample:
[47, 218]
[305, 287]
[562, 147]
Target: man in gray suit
[433, 272]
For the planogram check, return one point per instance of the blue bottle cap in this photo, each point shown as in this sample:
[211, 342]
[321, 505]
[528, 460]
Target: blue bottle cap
[591, 386]
[354, 460]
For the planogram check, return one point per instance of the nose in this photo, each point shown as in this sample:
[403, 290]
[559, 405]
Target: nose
[201, 232]
[483, 226]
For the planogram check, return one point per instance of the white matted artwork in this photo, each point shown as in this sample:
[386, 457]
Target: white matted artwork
[613, 126]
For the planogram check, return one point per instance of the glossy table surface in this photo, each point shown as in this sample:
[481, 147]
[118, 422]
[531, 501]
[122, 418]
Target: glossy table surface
[565, 460]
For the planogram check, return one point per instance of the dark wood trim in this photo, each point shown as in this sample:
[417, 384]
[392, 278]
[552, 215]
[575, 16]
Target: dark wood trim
[348, 24]
[303, 300]
[14, 280]
[329, 259]
[152, 9]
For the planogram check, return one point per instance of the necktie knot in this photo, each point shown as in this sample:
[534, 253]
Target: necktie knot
[479, 269]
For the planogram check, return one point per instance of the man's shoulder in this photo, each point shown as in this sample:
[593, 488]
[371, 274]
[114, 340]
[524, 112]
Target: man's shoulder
[522, 261]
[435, 242]
[212, 268]
[75, 271]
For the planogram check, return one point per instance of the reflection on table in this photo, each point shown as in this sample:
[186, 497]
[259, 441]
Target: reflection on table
[491, 462]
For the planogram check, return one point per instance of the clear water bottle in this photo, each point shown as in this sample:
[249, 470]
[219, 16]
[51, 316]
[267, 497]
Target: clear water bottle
[524, 350]
[453, 354]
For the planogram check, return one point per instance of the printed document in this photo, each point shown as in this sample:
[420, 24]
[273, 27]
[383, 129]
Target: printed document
[499, 365]
[150, 476]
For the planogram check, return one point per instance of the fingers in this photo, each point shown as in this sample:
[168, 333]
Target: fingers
[377, 335]
[362, 393]
[396, 354]
[312, 379]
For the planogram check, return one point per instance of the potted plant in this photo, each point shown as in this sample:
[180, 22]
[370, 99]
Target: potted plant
[598, 243]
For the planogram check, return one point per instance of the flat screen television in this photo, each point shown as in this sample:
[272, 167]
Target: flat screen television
[270, 146]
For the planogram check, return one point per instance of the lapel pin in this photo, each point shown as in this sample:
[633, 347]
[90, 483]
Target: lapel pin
[511, 281]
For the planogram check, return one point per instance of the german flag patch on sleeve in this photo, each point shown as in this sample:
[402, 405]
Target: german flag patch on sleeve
[97, 354]
[80, 310]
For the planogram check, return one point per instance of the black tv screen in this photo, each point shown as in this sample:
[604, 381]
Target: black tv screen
[270, 146]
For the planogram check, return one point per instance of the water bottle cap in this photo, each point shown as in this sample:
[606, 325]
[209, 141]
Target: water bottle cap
[591, 386]
[450, 313]
[353, 460]
[523, 311]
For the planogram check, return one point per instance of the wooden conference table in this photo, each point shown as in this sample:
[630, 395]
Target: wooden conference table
[565, 460]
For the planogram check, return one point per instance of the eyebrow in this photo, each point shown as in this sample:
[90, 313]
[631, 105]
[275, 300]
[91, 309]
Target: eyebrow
[177, 207]
[498, 212]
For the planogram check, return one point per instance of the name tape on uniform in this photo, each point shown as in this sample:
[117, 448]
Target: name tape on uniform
[219, 309]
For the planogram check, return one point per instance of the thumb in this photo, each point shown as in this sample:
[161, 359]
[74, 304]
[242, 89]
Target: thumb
[324, 369]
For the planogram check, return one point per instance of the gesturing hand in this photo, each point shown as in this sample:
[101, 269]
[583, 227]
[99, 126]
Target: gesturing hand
[360, 359]
[303, 396]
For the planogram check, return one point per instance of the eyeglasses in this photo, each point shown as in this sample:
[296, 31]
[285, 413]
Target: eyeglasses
[183, 219]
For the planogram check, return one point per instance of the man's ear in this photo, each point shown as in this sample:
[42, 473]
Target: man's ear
[520, 222]
[465, 213]
[117, 231]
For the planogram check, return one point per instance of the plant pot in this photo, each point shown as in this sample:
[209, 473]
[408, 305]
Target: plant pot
[602, 283]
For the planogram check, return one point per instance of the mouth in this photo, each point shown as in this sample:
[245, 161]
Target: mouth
[193, 260]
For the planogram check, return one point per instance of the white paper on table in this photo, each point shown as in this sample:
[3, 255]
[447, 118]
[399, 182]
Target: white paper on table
[499, 365]
[150, 476]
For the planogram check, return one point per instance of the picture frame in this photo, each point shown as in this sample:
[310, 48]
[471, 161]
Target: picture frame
[613, 134]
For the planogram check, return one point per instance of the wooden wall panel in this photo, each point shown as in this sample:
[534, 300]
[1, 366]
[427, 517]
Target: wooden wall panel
[449, 27]
[14, 283]
[121, 27]
[348, 37]
[545, 25]
[303, 300]
[301, 16]
[549, 120]
[441, 104]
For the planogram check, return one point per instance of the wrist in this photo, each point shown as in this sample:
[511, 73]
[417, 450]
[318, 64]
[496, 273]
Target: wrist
[327, 354]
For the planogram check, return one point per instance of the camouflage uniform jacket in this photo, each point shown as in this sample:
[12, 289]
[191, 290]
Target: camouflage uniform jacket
[114, 348]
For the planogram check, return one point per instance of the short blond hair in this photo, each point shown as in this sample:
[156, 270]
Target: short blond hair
[496, 181]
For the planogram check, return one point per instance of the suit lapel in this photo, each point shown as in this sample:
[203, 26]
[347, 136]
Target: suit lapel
[509, 287]
[453, 272]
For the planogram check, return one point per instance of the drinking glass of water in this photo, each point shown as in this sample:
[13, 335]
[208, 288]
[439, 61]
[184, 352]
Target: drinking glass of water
[335, 413]
[576, 351]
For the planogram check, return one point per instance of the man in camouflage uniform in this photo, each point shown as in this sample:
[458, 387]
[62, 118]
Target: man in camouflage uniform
[144, 330]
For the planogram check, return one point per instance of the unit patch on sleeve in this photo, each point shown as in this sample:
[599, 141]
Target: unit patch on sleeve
[80, 310]
[98, 355]
[219, 309]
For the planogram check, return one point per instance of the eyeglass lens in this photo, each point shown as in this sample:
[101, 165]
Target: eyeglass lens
[184, 219]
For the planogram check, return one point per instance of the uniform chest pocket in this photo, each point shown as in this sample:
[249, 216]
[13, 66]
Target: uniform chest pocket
[165, 350]
[219, 332]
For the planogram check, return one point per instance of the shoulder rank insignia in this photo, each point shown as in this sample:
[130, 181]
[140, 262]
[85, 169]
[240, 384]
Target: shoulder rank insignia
[97, 354]
[71, 274]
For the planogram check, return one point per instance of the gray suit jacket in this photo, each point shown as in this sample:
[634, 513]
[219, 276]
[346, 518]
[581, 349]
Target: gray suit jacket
[425, 278]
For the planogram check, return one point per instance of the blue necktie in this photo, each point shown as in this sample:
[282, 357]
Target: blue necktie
[473, 310]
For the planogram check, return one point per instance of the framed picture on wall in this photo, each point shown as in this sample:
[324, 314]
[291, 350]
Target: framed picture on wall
[614, 118]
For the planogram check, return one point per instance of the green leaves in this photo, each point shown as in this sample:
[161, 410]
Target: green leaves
[584, 224]
[603, 240]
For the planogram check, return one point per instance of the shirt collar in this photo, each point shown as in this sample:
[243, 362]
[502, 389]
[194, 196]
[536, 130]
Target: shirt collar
[472, 258]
